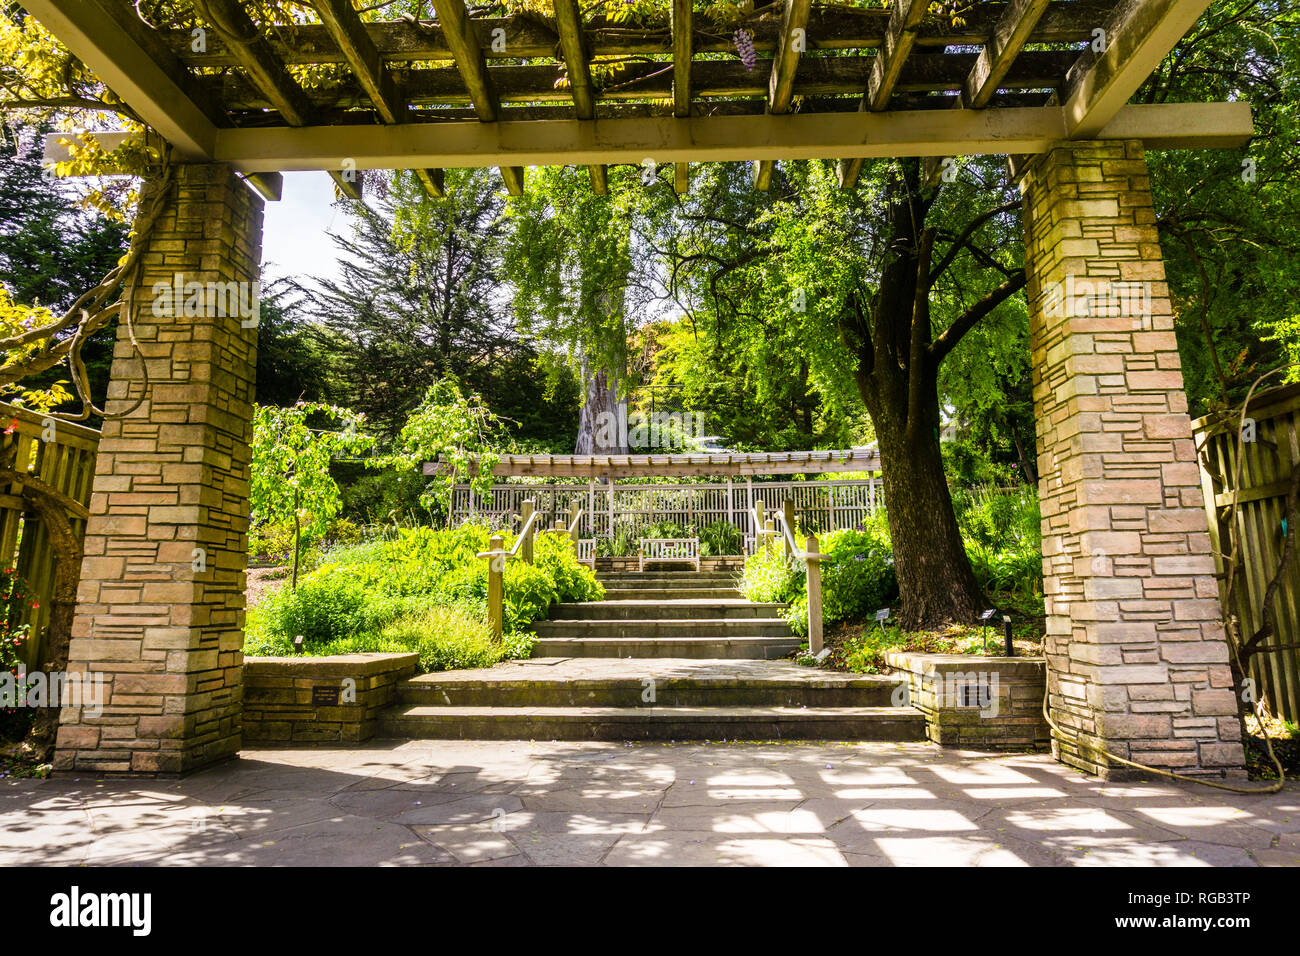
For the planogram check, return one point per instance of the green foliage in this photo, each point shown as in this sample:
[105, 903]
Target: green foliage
[291, 463]
[1002, 529]
[720, 537]
[454, 430]
[423, 590]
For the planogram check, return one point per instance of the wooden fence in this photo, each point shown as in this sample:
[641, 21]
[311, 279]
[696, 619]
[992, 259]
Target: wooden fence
[62, 456]
[819, 505]
[1270, 456]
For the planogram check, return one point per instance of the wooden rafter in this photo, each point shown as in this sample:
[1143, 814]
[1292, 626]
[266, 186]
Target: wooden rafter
[152, 83]
[836, 28]
[1138, 35]
[345, 28]
[683, 50]
[904, 19]
[568, 20]
[463, 41]
[994, 63]
[785, 63]
[269, 74]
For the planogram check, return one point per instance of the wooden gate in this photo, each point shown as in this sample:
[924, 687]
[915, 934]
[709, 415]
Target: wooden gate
[1270, 455]
[64, 457]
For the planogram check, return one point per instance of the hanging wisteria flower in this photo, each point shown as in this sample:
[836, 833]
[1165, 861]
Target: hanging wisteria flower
[745, 47]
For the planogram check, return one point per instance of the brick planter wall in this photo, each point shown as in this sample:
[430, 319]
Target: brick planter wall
[1012, 717]
[279, 694]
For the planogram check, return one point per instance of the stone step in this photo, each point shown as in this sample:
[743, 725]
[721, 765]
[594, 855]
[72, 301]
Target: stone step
[624, 683]
[654, 723]
[653, 609]
[661, 628]
[748, 647]
[670, 594]
[669, 579]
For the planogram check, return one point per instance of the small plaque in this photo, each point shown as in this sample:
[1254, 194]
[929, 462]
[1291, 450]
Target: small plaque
[882, 614]
[988, 614]
[324, 696]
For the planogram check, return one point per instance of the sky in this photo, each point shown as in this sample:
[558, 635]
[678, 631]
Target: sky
[295, 240]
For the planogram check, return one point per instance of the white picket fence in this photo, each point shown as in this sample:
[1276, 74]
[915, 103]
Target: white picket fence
[819, 505]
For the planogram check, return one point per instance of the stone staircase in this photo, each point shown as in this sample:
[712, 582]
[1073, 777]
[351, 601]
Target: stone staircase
[677, 614]
[667, 655]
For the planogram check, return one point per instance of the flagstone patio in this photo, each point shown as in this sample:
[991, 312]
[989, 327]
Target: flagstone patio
[545, 803]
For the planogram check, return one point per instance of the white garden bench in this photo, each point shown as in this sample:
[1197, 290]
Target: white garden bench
[683, 550]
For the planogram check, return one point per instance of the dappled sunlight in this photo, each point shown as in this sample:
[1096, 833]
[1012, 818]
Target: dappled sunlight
[528, 803]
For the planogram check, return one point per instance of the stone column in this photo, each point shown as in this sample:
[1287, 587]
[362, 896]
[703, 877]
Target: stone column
[160, 611]
[1137, 655]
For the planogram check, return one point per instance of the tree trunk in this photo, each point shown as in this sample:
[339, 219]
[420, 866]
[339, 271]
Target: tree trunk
[599, 431]
[897, 376]
[935, 580]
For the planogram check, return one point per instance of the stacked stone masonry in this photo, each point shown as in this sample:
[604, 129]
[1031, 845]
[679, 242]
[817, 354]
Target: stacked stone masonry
[161, 600]
[284, 703]
[991, 703]
[1138, 660]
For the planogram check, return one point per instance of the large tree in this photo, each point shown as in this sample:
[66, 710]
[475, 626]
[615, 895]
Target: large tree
[419, 296]
[874, 290]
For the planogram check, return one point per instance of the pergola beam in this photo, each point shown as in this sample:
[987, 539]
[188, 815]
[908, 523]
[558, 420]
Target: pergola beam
[785, 64]
[1009, 38]
[463, 41]
[711, 79]
[683, 40]
[1138, 36]
[153, 84]
[904, 18]
[677, 465]
[836, 28]
[568, 20]
[722, 138]
[345, 28]
[994, 63]
[269, 74]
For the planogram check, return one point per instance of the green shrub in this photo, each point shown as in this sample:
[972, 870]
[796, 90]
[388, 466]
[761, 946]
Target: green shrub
[382, 594]
[720, 537]
[446, 638]
[857, 577]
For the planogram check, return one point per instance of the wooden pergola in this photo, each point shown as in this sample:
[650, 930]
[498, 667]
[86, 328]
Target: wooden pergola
[716, 464]
[832, 81]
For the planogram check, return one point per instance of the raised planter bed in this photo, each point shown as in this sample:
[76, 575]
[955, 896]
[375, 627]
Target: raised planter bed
[320, 700]
[992, 703]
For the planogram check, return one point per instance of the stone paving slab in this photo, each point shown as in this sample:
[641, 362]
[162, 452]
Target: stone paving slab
[506, 803]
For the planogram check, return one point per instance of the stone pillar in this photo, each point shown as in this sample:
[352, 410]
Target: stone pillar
[160, 610]
[1137, 654]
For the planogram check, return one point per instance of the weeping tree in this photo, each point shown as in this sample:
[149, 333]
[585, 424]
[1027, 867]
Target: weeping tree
[573, 262]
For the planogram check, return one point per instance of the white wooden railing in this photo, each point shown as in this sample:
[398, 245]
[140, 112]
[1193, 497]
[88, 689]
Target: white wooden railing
[830, 505]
